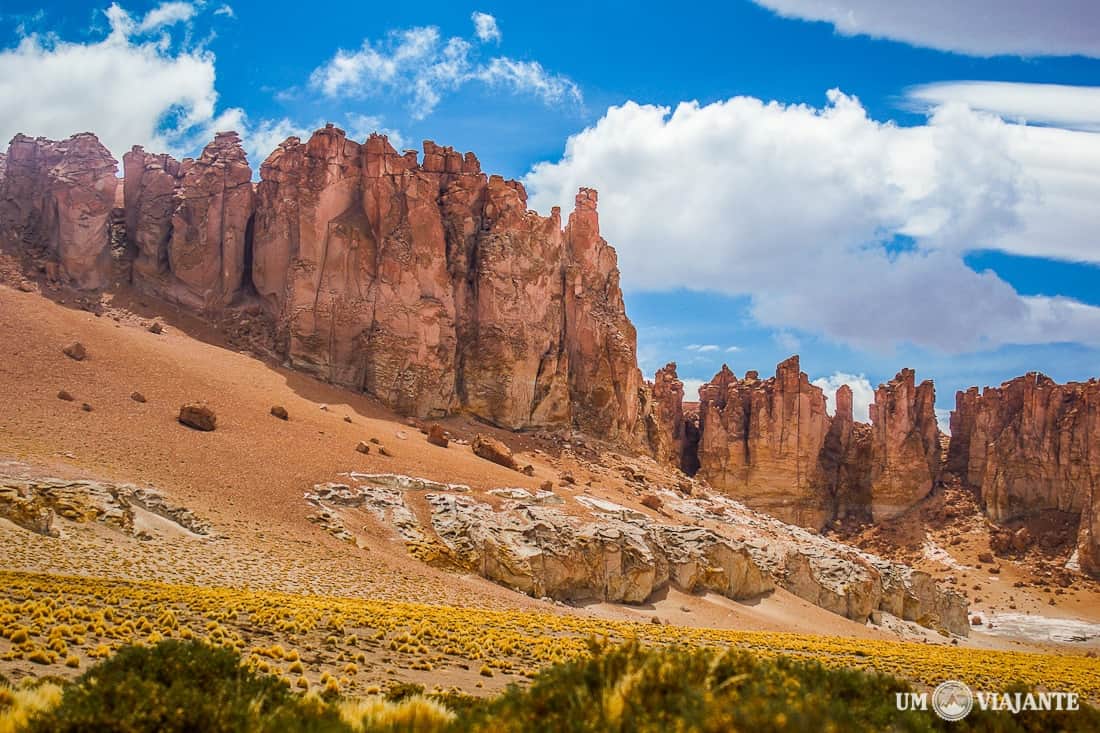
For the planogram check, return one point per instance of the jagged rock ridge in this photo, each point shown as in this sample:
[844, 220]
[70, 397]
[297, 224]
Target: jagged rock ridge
[1032, 446]
[770, 443]
[426, 284]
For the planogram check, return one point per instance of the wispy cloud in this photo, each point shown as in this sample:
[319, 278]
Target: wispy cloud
[418, 63]
[975, 27]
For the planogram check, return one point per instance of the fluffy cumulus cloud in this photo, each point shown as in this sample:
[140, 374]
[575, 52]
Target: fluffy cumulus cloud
[150, 67]
[691, 389]
[55, 88]
[863, 394]
[418, 63]
[837, 224]
[485, 26]
[973, 27]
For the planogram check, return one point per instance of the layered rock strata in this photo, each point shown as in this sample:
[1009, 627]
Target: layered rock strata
[613, 553]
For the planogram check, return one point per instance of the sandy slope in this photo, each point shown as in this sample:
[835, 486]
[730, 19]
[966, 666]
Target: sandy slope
[249, 476]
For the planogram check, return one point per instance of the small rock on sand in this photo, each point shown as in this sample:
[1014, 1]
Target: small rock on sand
[198, 416]
[280, 412]
[76, 351]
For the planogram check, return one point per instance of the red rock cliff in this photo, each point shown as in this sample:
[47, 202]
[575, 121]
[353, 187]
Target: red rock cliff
[1029, 446]
[433, 287]
[761, 442]
[56, 200]
[905, 449]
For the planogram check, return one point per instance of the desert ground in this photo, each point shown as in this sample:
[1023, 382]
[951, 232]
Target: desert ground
[248, 479]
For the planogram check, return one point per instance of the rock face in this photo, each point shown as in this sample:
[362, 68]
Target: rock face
[770, 443]
[190, 223]
[55, 202]
[608, 552]
[424, 283]
[905, 448]
[667, 440]
[432, 287]
[1031, 446]
[761, 441]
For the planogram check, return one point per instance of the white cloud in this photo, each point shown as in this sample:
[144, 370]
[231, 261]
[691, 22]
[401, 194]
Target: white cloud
[797, 207]
[863, 394]
[166, 14]
[486, 27]
[529, 77]
[127, 88]
[732, 349]
[1056, 104]
[943, 419]
[226, 10]
[702, 348]
[691, 389]
[418, 64]
[974, 27]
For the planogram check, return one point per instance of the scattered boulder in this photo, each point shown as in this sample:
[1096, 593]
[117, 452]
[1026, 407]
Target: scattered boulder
[86, 407]
[363, 447]
[383, 452]
[652, 501]
[198, 416]
[137, 397]
[280, 412]
[493, 450]
[975, 620]
[63, 395]
[76, 351]
[528, 470]
[155, 327]
[437, 435]
[985, 557]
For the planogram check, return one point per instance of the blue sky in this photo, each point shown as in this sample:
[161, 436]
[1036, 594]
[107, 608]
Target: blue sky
[763, 220]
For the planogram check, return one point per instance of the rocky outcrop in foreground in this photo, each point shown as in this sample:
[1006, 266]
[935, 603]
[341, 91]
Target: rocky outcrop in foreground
[1032, 446]
[770, 443]
[608, 552]
[36, 505]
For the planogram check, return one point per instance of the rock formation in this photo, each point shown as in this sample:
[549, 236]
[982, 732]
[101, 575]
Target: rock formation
[667, 439]
[613, 553]
[771, 444]
[432, 287]
[1032, 446]
[36, 504]
[55, 202]
[189, 223]
[761, 441]
[426, 284]
[905, 448]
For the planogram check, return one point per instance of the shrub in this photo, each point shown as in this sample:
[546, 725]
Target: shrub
[632, 688]
[180, 686]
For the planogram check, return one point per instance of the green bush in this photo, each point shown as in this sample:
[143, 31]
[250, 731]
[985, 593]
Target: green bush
[632, 688]
[178, 686]
[181, 686]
